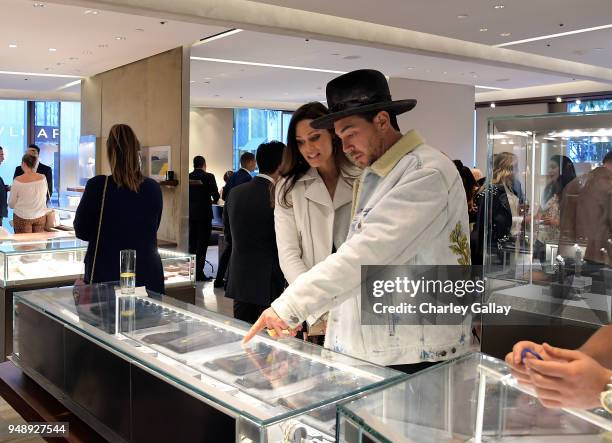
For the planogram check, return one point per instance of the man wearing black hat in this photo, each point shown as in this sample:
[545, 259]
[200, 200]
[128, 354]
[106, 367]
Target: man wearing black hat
[409, 207]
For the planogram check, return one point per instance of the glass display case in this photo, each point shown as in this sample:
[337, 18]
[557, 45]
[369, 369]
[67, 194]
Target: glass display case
[545, 224]
[270, 391]
[34, 258]
[51, 257]
[471, 399]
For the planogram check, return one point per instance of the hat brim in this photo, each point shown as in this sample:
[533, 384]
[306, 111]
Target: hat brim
[396, 107]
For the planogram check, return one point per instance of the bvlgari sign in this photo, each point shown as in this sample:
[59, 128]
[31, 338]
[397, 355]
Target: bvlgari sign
[46, 134]
[12, 131]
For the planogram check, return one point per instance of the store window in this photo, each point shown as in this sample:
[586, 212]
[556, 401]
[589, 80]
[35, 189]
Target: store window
[253, 127]
[589, 147]
[590, 106]
[47, 136]
[13, 136]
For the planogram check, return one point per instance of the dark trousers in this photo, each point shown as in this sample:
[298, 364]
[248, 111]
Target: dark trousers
[247, 312]
[414, 367]
[199, 236]
[223, 263]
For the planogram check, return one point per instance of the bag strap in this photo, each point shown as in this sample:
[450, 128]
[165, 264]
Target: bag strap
[93, 266]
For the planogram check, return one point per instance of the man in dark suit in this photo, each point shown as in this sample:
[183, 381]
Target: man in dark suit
[242, 175]
[43, 169]
[248, 164]
[255, 277]
[203, 193]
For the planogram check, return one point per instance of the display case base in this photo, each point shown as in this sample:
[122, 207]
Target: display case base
[34, 404]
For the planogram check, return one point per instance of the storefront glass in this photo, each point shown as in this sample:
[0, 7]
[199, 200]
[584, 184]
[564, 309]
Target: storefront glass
[253, 127]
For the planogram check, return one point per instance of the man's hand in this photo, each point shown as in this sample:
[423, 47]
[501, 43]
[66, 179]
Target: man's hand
[513, 359]
[569, 379]
[270, 320]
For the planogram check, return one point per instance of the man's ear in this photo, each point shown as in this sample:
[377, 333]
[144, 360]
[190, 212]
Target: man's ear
[382, 120]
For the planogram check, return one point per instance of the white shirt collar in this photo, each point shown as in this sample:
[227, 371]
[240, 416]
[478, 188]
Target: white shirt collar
[245, 169]
[267, 177]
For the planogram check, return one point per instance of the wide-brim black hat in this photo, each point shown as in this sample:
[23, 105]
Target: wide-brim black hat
[356, 92]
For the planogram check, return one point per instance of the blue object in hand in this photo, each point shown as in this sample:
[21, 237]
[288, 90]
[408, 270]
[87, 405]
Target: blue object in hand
[526, 351]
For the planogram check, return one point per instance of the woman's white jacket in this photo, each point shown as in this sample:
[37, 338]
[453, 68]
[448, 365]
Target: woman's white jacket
[306, 231]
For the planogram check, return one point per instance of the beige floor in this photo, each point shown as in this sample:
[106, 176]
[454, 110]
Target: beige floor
[9, 416]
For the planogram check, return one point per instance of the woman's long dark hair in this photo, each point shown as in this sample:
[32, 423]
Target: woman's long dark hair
[294, 165]
[567, 173]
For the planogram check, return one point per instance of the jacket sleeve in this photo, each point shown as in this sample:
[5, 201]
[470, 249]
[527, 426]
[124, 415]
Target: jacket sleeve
[214, 191]
[87, 214]
[405, 219]
[49, 177]
[287, 240]
[226, 224]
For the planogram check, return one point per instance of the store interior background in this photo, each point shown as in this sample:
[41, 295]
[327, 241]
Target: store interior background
[70, 69]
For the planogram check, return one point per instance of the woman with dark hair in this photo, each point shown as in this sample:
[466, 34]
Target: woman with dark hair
[121, 211]
[313, 197]
[561, 171]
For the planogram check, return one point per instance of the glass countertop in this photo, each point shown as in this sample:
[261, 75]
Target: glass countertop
[473, 398]
[266, 380]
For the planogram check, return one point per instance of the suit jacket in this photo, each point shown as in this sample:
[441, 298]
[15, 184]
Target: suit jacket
[239, 177]
[255, 275]
[42, 169]
[201, 197]
[3, 200]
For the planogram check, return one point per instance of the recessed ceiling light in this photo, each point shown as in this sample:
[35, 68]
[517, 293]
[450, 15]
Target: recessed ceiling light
[139, 30]
[410, 68]
[559, 99]
[217, 36]
[502, 80]
[120, 38]
[39, 5]
[87, 52]
[505, 34]
[269, 65]
[484, 29]
[492, 105]
[578, 102]
[462, 16]
[561, 34]
[445, 73]
[217, 95]
[73, 58]
[12, 45]
[103, 46]
[25, 79]
[38, 74]
[598, 49]
[192, 81]
[352, 57]
[493, 88]
[92, 12]
[52, 49]
[499, 6]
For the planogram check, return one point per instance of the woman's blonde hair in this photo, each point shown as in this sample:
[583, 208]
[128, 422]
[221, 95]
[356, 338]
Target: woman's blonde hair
[123, 149]
[503, 168]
